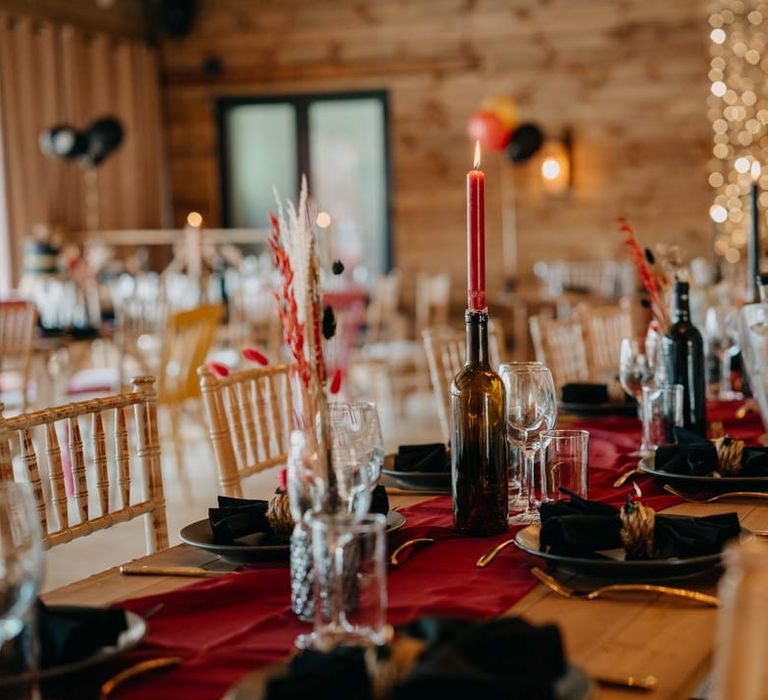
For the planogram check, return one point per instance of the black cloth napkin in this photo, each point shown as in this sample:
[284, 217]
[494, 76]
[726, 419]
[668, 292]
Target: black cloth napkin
[243, 517]
[70, 633]
[423, 458]
[501, 659]
[584, 393]
[581, 528]
[694, 455]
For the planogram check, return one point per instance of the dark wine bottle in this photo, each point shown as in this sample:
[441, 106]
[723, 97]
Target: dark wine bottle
[478, 439]
[684, 353]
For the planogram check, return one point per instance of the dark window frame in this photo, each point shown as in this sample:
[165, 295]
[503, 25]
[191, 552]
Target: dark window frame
[301, 102]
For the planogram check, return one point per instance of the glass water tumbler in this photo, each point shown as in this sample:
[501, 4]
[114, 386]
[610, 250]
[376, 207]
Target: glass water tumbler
[564, 463]
[662, 413]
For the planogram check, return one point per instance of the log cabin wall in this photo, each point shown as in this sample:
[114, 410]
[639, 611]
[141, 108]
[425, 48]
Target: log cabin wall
[627, 77]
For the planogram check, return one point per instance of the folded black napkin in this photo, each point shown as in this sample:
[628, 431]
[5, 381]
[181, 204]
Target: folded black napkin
[694, 455]
[584, 393]
[71, 633]
[506, 658]
[423, 458]
[581, 528]
[243, 517]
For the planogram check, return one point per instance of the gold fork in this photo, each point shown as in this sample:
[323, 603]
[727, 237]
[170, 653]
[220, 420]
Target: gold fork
[488, 557]
[137, 669]
[394, 558]
[568, 592]
[625, 477]
[717, 497]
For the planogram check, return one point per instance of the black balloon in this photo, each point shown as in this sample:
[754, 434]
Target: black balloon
[526, 140]
[62, 141]
[103, 137]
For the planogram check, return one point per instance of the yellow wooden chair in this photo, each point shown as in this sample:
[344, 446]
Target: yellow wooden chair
[17, 332]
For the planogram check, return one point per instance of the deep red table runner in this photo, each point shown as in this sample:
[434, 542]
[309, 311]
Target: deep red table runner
[227, 627]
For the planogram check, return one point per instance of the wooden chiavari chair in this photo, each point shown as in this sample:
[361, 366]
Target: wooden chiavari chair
[54, 506]
[187, 339]
[249, 421]
[560, 344]
[432, 300]
[446, 353]
[18, 319]
[382, 319]
[604, 328]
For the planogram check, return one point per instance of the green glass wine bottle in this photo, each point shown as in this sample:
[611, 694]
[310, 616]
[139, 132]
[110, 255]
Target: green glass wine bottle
[478, 439]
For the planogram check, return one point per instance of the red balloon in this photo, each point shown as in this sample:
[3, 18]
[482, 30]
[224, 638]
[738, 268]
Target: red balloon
[489, 130]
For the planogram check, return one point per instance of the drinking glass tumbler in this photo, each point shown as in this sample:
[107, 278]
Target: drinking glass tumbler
[565, 458]
[662, 413]
[350, 581]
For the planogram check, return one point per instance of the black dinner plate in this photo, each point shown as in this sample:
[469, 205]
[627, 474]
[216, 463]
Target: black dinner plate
[610, 408]
[254, 547]
[135, 631]
[527, 540]
[690, 482]
[439, 482]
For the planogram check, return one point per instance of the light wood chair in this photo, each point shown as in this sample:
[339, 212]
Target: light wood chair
[18, 319]
[604, 328]
[560, 344]
[249, 415]
[187, 339]
[446, 351]
[432, 300]
[383, 322]
[54, 506]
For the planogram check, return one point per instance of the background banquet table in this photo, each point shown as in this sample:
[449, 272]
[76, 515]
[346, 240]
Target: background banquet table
[621, 636]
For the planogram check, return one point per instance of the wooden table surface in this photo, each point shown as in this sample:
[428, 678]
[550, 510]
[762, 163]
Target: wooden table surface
[644, 635]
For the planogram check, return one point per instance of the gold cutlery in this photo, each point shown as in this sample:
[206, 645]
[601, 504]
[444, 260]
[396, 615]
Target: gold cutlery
[393, 559]
[718, 497]
[137, 669]
[748, 406]
[625, 477]
[488, 557]
[642, 683]
[145, 570]
[568, 592]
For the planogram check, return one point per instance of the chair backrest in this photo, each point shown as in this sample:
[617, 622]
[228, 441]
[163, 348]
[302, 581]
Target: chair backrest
[432, 300]
[71, 484]
[187, 340]
[560, 344]
[382, 318]
[18, 319]
[446, 352]
[249, 416]
[604, 327]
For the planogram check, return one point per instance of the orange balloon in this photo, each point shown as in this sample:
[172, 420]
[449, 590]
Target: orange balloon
[489, 130]
[504, 108]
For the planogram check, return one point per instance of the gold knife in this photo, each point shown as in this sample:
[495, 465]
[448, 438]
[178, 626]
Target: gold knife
[147, 570]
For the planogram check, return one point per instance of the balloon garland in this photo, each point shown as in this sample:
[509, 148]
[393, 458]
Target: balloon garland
[497, 127]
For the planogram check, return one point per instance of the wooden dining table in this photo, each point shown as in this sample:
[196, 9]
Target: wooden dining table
[625, 635]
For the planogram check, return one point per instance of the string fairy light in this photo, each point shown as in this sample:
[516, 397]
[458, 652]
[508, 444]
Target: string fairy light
[738, 110]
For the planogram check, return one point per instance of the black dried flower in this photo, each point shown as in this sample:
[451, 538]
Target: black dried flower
[338, 267]
[646, 304]
[649, 256]
[329, 323]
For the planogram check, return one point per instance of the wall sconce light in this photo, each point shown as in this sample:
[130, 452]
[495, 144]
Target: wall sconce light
[556, 165]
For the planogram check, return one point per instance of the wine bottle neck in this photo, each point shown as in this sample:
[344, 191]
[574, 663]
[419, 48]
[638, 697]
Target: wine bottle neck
[682, 306]
[477, 337]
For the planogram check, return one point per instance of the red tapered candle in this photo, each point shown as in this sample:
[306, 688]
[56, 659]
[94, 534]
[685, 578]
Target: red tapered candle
[476, 235]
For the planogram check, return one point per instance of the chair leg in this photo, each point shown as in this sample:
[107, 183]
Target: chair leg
[178, 447]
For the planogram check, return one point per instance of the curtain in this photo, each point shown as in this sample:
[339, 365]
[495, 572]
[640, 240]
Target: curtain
[52, 74]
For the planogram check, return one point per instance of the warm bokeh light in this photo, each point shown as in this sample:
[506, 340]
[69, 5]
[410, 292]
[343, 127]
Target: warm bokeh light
[719, 88]
[732, 255]
[741, 164]
[194, 219]
[718, 213]
[755, 170]
[323, 219]
[476, 165]
[550, 169]
[717, 35]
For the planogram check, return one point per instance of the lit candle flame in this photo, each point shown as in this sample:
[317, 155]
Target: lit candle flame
[755, 171]
[476, 166]
[194, 219]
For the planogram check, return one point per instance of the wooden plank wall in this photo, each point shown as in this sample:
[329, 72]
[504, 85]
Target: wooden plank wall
[628, 77]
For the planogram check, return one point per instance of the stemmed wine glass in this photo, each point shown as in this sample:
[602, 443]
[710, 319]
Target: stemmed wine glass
[357, 452]
[531, 408]
[21, 573]
[634, 374]
[722, 334]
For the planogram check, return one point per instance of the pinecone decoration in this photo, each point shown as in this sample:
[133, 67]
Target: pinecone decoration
[637, 528]
[279, 516]
[729, 455]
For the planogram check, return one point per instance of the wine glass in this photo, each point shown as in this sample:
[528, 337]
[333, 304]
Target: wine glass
[722, 336]
[634, 374]
[21, 573]
[357, 452]
[531, 408]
